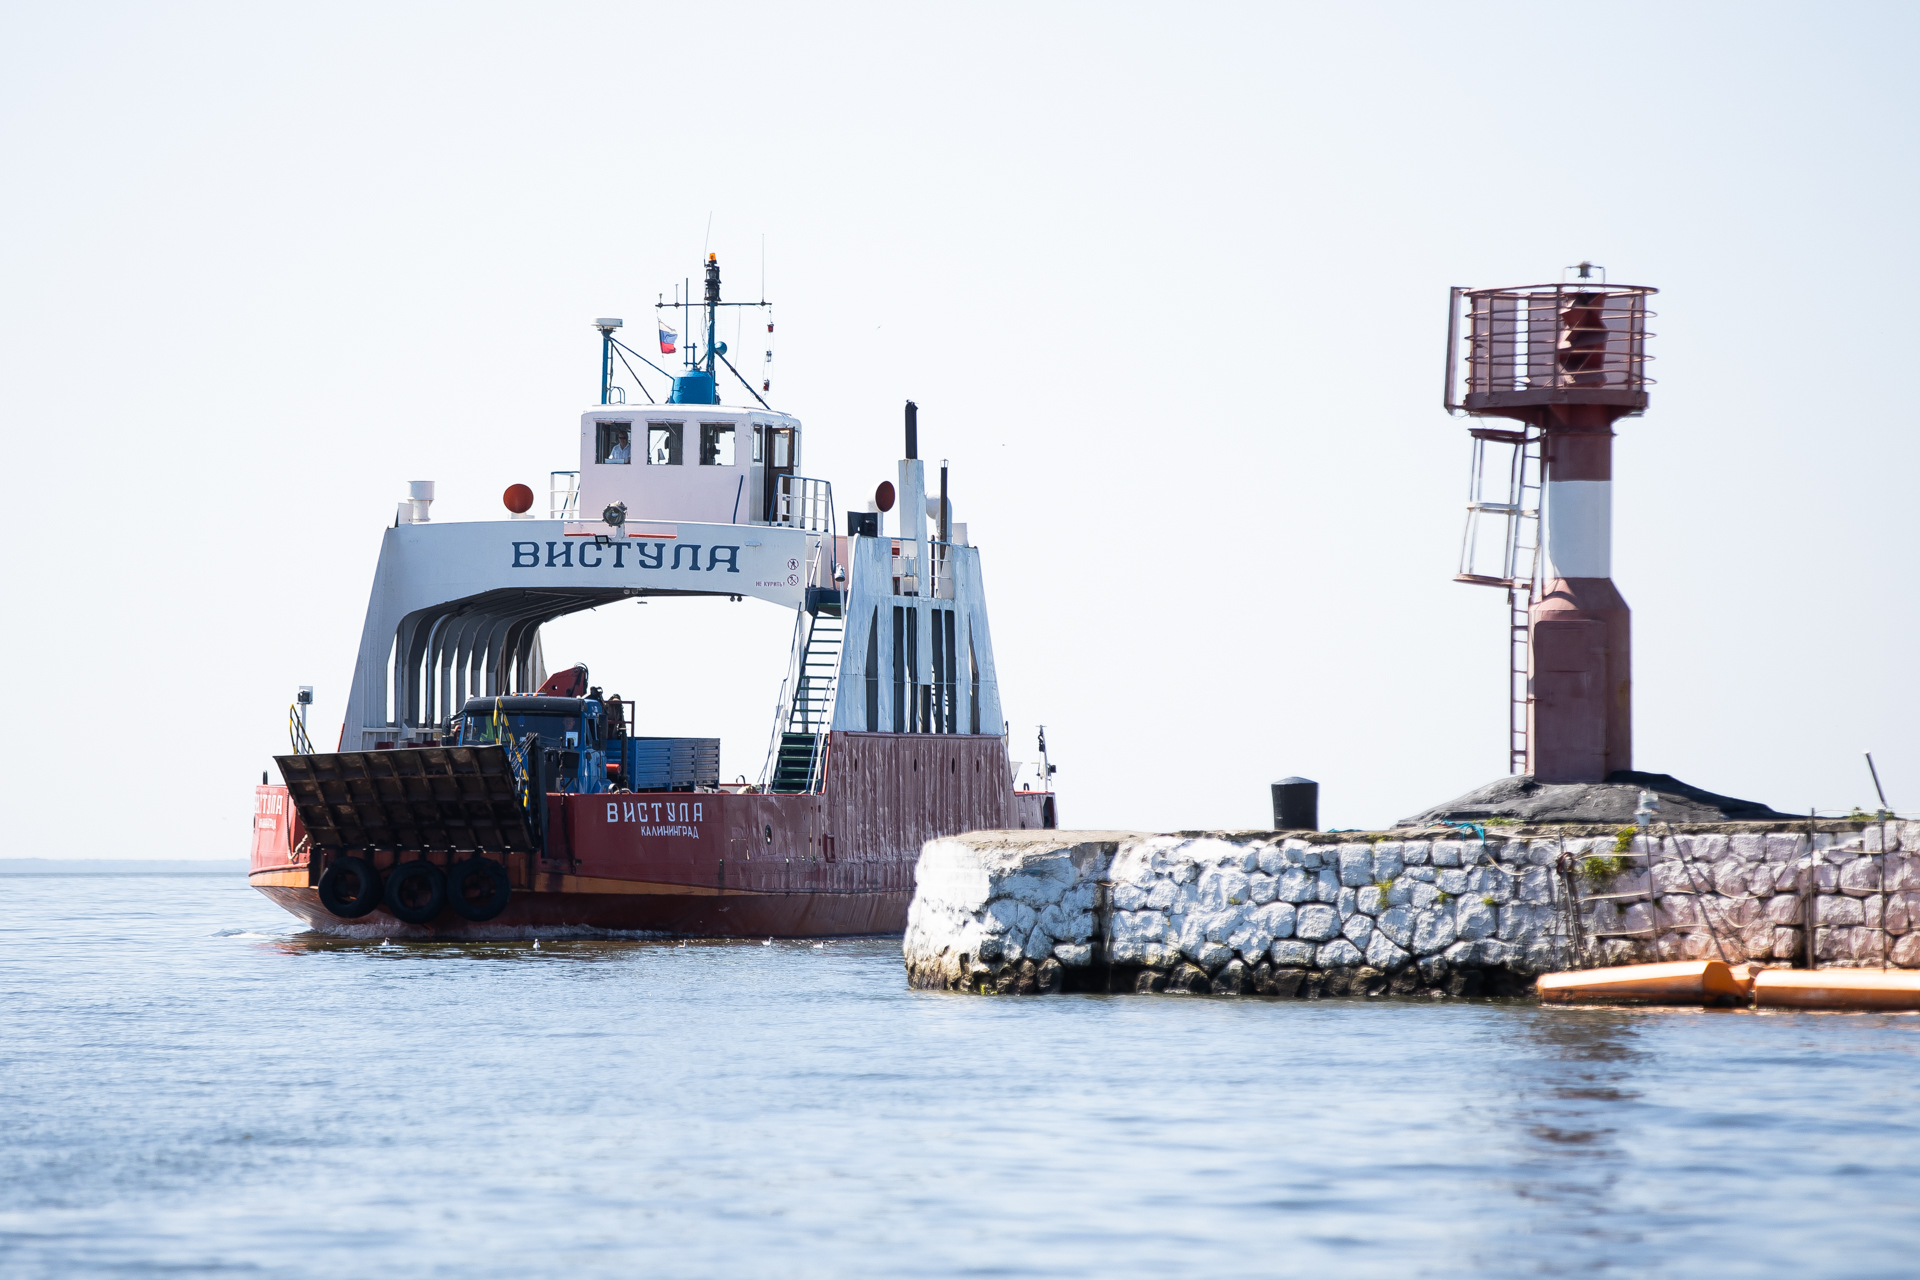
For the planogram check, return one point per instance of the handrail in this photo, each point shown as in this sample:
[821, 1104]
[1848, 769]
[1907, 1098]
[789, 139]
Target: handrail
[563, 501]
[796, 656]
[302, 745]
[801, 502]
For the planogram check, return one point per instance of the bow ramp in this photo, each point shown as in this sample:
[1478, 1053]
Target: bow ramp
[442, 798]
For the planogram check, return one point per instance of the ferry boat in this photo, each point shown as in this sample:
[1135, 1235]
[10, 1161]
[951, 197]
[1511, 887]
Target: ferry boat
[475, 793]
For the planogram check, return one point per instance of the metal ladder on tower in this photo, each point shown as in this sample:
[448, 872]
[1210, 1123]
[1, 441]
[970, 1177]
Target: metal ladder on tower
[797, 760]
[1519, 564]
[1524, 576]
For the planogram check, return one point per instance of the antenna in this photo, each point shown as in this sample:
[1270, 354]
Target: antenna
[1877, 789]
[606, 325]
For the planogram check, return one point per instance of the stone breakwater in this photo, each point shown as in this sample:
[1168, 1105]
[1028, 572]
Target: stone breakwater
[1370, 913]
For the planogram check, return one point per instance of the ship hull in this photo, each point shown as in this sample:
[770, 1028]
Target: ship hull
[628, 912]
[835, 863]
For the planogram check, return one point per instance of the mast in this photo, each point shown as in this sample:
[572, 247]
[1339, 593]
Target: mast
[713, 304]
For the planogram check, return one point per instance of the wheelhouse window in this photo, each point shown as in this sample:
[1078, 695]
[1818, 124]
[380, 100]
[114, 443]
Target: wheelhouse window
[716, 444]
[663, 443]
[554, 730]
[613, 444]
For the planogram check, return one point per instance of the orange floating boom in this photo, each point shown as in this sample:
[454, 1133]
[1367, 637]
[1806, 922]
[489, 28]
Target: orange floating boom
[1679, 982]
[1836, 988]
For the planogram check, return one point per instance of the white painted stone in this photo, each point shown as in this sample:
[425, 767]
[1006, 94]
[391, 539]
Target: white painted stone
[1357, 929]
[1345, 903]
[1474, 919]
[1159, 955]
[1261, 888]
[1397, 924]
[1293, 952]
[1276, 918]
[1356, 865]
[1423, 895]
[1492, 952]
[1221, 887]
[1296, 885]
[1860, 877]
[1129, 897]
[1433, 930]
[1338, 954]
[1138, 926]
[1272, 859]
[1453, 880]
[1039, 944]
[1008, 915]
[1837, 909]
[1316, 923]
[1369, 901]
[1327, 887]
[1422, 875]
[1073, 954]
[1211, 955]
[1535, 886]
[1161, 896]
[1446, 853]
[1416, 853]
[1382, 954]
[1218, 926]
[1388, 861]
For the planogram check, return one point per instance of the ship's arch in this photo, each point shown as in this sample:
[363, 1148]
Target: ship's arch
[456, 610]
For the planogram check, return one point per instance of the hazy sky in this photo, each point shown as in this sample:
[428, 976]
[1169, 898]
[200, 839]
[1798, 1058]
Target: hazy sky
[1168, 282]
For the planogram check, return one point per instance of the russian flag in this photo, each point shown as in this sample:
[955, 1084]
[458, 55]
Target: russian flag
[668, 336]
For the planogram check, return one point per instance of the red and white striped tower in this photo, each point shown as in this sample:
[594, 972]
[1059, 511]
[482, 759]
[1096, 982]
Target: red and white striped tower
[1568, 360]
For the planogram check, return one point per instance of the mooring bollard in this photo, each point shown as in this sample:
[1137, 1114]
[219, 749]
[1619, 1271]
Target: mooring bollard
[1296, 805]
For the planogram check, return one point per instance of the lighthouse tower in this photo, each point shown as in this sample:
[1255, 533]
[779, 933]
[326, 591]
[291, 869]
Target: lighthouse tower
[1566, 362]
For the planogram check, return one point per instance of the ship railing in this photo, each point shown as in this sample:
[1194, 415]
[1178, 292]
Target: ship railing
[796, 663]
[802, 502]
[563, 495]
[940, 567]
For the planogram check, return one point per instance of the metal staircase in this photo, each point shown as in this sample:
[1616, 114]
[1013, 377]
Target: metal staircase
[798, 754]
[1518, 565]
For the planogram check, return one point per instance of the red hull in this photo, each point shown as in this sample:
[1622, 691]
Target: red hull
[708, 864]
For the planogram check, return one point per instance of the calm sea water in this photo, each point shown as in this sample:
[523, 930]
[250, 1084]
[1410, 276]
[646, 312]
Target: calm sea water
[191, 1083]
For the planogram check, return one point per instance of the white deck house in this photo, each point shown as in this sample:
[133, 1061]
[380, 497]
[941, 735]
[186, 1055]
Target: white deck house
[890, 632]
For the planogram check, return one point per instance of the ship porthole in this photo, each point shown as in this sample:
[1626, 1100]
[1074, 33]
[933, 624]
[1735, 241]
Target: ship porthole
[769, 835]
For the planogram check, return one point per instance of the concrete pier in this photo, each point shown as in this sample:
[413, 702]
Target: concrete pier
[1438, 912]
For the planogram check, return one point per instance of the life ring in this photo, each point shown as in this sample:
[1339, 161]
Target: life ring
[416, 891]
[478, 888]
[350, 887]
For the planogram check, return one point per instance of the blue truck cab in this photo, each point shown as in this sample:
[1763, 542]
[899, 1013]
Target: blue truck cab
[589, 745]
[574, 732]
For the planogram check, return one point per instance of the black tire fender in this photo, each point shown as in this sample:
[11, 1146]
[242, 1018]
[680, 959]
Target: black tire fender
[478, 888]
[404, 885]
[350, 887]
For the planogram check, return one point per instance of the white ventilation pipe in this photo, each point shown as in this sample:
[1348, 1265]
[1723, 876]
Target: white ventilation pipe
[420, 497]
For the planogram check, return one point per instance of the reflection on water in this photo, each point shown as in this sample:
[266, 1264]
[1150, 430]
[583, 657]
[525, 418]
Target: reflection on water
[193, 1083]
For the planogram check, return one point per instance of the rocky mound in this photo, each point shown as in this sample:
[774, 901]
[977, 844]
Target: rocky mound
[1613, 801]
